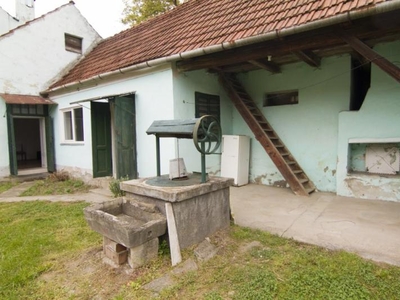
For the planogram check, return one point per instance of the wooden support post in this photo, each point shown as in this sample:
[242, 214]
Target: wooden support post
[176, 256]
[385, 65]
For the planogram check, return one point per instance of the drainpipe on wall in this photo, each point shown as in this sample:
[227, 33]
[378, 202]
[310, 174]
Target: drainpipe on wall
[349, 16]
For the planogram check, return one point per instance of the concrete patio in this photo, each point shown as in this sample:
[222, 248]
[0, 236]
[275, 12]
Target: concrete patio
[368, 228]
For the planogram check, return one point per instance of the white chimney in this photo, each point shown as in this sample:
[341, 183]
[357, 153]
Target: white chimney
[25, 10]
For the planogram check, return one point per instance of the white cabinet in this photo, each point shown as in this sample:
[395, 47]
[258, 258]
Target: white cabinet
[235, 158]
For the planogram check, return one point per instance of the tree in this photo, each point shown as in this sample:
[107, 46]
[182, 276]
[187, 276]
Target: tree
[137, 11]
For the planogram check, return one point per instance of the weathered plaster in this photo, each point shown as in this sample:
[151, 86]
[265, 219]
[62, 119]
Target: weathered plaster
[377, 120]
[308, 129]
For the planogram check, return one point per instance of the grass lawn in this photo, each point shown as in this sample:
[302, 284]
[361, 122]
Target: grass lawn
[53, 185]
[6, 185]
[48, 252]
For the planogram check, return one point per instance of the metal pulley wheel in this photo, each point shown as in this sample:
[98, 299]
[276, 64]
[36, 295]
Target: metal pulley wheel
[207, 134]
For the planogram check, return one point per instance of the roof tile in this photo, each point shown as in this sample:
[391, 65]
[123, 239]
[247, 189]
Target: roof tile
[201, 23]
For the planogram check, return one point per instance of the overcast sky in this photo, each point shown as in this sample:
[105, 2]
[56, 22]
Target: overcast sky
[103, 15]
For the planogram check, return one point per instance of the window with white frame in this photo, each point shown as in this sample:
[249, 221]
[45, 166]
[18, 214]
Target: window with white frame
[73, 124]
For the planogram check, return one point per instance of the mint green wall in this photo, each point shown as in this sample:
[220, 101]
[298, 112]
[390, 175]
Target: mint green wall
[378, 120]
[185, 85]
[308, 129]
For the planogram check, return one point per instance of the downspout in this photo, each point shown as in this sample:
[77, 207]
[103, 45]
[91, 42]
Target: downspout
[349, 16]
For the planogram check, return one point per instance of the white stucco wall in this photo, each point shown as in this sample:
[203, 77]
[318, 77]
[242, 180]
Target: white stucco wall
[153, 101]
[378, 120]
[185, 86]
[308, 129]
[33, 55]
[4, 157]
[7, 22]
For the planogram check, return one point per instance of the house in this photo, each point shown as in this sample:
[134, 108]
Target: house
[33, 56]
[315, 84]
[25, 11]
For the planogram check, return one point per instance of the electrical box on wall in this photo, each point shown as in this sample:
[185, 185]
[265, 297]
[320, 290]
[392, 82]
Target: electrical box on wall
[235, 158]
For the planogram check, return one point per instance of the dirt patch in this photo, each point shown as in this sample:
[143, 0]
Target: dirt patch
[87, 276]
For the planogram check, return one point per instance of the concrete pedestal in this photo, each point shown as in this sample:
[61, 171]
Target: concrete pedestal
[200, 209]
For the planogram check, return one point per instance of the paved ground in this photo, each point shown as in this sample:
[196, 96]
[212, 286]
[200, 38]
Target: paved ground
[368, 228]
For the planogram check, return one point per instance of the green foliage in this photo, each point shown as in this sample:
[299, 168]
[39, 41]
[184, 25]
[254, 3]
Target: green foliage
[137, 11]
[33, 236]
[57, 184]
[114, 186]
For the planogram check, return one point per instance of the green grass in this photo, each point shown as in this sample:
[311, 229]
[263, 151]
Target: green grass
[33, 236]
[6, 185]
[53, 239]
[54, 187]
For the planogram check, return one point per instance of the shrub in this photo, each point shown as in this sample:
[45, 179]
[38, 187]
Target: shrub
[115, 188]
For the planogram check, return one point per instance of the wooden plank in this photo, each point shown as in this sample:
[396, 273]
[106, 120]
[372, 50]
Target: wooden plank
[266, 65]
[175, 249]
[385, 65]
[309, 58]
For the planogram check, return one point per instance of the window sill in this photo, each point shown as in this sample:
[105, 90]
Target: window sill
[72, 143]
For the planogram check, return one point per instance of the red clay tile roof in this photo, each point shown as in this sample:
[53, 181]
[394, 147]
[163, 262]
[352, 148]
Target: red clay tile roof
[25, 99]
[201, 23]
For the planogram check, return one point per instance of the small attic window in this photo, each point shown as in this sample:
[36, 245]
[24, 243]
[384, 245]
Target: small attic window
[73, 43]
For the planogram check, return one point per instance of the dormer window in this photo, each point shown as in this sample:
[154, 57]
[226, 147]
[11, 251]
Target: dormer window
[73, 43]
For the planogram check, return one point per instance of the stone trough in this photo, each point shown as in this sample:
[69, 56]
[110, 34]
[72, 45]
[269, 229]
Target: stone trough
[130, 230]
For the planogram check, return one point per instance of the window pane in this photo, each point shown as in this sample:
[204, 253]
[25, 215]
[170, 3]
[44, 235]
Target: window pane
[78, 122]
[281, 98]
[68, 125]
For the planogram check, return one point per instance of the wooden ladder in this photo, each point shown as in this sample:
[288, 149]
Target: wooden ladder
[264, 133]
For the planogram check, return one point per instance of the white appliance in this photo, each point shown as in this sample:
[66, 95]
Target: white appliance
[236, 158]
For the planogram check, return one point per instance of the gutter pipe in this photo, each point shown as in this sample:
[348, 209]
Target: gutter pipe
[349, 16]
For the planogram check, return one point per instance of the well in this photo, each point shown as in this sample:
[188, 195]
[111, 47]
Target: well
[200, 209]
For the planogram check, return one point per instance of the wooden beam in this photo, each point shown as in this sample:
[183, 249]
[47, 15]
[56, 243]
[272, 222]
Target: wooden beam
[309, 58]
[321, 39]
[266, 65]
[385, 65]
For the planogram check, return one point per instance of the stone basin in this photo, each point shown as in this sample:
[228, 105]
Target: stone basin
[126, 222]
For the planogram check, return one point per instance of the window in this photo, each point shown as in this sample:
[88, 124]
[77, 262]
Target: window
[207, 105]
[73, 43]
[375, 158]
[73, 124]
[281, 98]
[29, 109]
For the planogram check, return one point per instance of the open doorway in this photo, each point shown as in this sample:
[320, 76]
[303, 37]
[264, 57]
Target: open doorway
[29, 144]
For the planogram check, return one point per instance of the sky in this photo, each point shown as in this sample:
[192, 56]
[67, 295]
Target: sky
[104, 15]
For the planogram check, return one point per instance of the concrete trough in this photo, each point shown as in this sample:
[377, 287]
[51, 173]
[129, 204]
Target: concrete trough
[128, 223]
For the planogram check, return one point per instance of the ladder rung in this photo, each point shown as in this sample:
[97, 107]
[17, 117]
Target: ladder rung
[303, 181]
[297, 171]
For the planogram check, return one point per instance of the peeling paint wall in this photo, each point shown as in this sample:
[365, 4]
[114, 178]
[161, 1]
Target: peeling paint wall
[308, 129]
[185, 86]
[378, 121]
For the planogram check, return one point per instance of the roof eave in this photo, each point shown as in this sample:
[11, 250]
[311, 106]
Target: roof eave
[349, 16]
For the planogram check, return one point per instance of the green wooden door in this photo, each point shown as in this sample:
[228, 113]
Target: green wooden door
[12, 151]
[125, 136]
[101, 139]
[51, 162]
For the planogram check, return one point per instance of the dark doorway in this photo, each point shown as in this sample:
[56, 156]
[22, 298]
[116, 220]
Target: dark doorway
[28, 143]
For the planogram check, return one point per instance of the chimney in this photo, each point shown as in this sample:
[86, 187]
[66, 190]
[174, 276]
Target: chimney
[25, 10]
